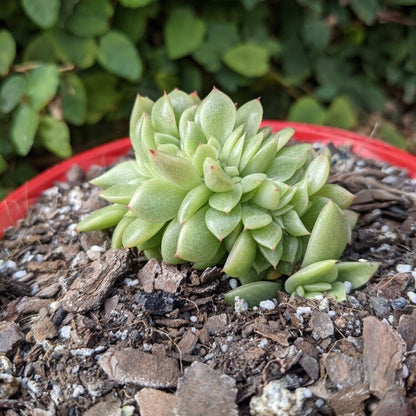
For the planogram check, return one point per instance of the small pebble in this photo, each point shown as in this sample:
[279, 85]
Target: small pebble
[84, 352]
[19, 274]
[404, 268]
[263, 343]
[233, 283]
[131, 282]
[224, 347]
[65, 332]
[412, 296]
[348, 287]
[240, 305]
[193, 318]
[398, 303]
[267, 304]
[78, 390]
[301, 310]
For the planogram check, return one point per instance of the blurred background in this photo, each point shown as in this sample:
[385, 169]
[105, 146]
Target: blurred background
[70, 69]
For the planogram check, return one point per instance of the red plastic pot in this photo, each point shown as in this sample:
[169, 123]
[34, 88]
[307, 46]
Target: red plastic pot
[15, 205]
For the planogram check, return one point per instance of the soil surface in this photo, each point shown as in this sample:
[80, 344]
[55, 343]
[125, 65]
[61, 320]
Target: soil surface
[88, 330]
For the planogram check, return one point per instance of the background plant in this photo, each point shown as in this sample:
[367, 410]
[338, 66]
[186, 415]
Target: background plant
[70, 68]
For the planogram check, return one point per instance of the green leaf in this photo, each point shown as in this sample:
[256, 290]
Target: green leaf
[74, 99]
[157, 200]
[102, 95]
[90, 18]
[365, 10]
[253, 293]
[23, 130]
[341, 114]
[11, 92]
[42, 84]
[72, 49]
[329, 236]
[7, 51]
[306, 109]
[43, 13]
[118, 55]
[220, 38]
[196, 243]
[135, 3]
[3, 167]
[54, 135]
[248, 59]
[296, 64]
[316, 33]
[222, 224]
[42, 48]
[389, 133]
[130, 21]
[184, 32]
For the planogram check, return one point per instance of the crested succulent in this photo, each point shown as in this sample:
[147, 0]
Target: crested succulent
[210, 186]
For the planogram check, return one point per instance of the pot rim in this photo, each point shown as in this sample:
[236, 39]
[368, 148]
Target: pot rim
[16, 204]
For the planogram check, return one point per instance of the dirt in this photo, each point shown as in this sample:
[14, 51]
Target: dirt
[88, 330]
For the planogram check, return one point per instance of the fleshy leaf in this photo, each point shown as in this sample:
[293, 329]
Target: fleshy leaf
[252, 181]
[322, 271]
[317, 173]
[250, 115]
[195, 199]
[341, 196]
[116, 241]
[120, 193]
[267, 195]
[230, 142]
[139, 231]
[141, 105]
[163, 116]
[215, 177]
[196, 243]
[226, 201]
[242, 255]
[338, 291]
[251, 146]
[254, 218]
[217, 115]
[268, 236]
[329, 236]
[222, 224]
[102, 218]
[293, 224]
[272, 256]
[175, 169]
[357, 273]
[169, 243]
[262, 159]
[124, 172]
[253, 293]
[156, 200]
[180, 101]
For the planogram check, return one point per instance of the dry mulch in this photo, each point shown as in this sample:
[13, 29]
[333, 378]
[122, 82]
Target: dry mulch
[88, 330]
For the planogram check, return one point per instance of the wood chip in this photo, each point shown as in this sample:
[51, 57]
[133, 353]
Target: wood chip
[89, 290]
[204, 391]
[382, 360]
[130, 365]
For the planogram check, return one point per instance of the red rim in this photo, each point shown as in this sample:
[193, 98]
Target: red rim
[15, 205]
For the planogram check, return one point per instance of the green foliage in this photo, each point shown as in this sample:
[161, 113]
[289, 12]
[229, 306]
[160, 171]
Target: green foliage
[83, 62]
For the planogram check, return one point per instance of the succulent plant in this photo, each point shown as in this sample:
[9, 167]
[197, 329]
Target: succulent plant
[210, 186]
